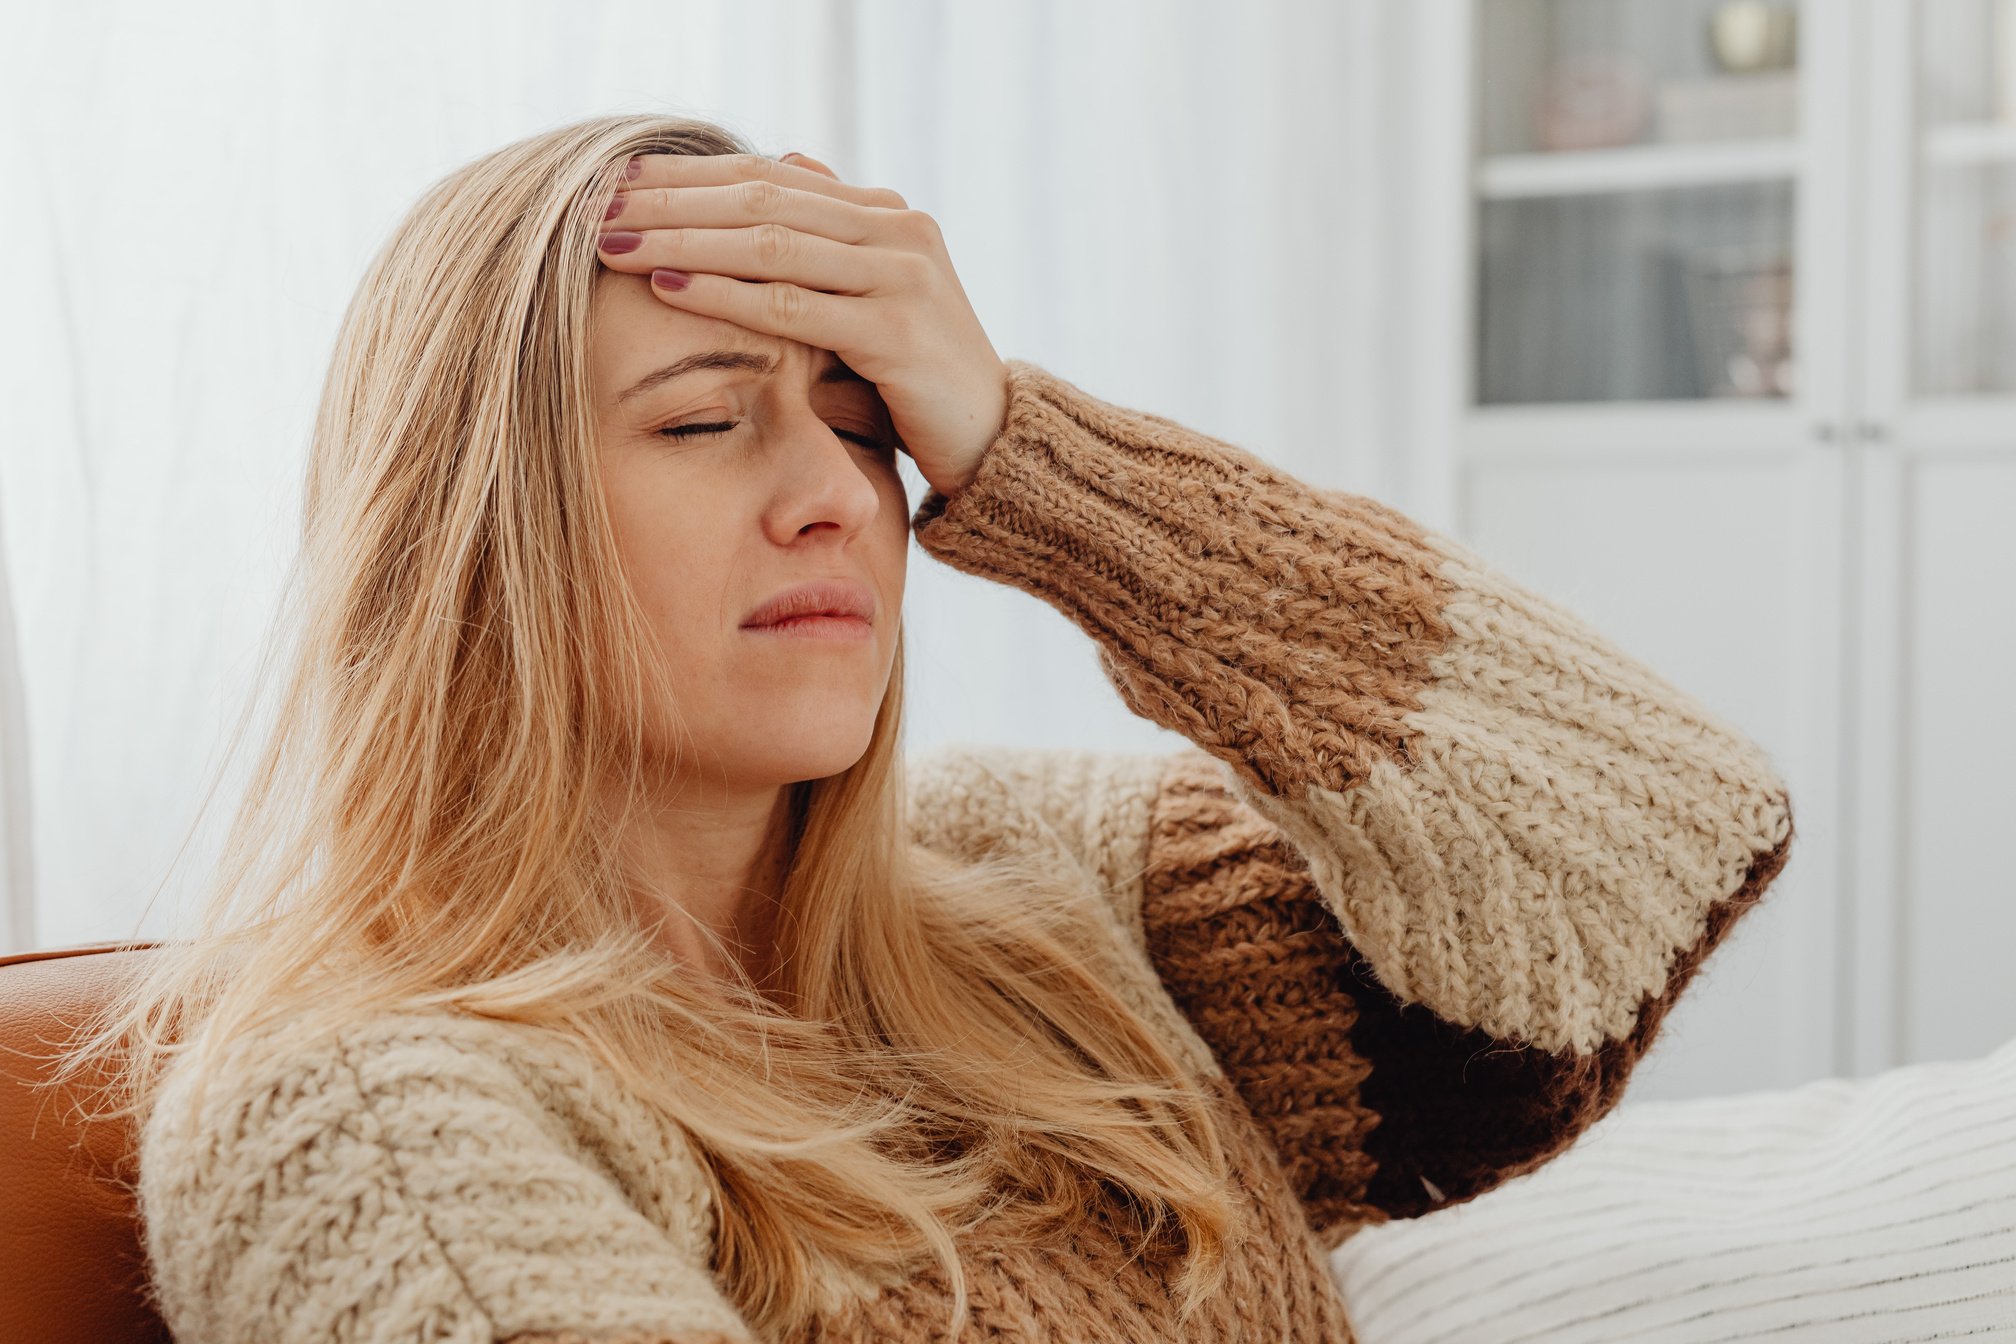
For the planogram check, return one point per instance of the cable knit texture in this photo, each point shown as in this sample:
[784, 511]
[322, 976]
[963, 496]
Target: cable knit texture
[1412, 907]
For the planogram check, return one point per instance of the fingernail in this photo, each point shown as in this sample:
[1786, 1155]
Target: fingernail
[615, 206]
[634, 167]
[621, 242]
[670, 279]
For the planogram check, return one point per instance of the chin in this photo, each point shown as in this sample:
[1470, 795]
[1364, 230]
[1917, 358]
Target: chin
[820, 765]
[785, 758]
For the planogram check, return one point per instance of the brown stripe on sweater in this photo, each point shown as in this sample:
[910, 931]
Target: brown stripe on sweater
[1364, 1098]
[1308, 675]
[1285, 629]
[1252, 959]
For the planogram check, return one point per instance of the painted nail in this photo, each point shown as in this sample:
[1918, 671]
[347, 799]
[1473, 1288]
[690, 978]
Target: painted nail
[619, 243]
[634, 167]
[615, 206]
[665, 278]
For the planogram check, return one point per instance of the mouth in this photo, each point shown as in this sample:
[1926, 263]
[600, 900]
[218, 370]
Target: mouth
[818, 627]
[825, 607]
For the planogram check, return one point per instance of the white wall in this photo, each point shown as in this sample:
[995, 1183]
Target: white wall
[1175, 204]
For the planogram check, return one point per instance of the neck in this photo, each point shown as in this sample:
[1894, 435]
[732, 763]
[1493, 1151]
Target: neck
[709, 861]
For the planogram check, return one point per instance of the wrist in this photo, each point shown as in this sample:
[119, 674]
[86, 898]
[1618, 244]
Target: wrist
[953, 487]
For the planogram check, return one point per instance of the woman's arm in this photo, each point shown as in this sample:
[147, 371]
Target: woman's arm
[1444, 855]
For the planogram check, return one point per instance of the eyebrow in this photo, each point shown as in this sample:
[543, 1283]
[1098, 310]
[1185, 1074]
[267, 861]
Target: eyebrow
[746, 360]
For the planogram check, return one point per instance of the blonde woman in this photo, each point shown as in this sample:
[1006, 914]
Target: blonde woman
[590, 965]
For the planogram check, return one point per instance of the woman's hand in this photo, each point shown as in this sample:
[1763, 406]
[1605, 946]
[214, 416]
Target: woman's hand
[787, 249]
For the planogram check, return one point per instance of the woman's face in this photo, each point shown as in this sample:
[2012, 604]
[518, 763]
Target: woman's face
[713, 525]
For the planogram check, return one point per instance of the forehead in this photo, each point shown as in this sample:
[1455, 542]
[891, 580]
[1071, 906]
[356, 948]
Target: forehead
[637, 344]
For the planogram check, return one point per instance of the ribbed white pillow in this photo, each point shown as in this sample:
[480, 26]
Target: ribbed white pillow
[1849, 1211]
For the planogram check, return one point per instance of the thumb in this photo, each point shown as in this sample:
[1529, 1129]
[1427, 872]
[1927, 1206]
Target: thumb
[798, 160]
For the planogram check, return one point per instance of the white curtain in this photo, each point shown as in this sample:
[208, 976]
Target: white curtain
[1178, 205]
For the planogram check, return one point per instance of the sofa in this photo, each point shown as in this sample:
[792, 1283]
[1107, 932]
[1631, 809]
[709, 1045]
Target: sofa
[1850, 1211]
[71, 1266]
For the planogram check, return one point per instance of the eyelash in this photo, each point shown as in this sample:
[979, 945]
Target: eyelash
[688, 431]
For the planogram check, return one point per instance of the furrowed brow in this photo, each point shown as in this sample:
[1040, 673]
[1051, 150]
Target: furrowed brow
[706, 359]
[744, 360]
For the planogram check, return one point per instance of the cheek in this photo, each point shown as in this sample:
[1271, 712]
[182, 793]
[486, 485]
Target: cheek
[894, 525]
[666, 553]
[895, 492]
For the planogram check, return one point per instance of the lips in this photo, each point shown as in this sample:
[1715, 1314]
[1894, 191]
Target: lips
[824, 597]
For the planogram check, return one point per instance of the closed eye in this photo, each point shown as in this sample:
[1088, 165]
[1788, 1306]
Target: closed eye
[722, 427]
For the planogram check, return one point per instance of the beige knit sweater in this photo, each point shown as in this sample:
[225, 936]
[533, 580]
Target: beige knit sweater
[1413, 905]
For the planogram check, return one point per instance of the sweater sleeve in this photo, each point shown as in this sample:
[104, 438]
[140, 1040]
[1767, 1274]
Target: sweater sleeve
[1442, 855]
[401, 1181]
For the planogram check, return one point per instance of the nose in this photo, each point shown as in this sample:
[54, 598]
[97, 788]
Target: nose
[821, 482]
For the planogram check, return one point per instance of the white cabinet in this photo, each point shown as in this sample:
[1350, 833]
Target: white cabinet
[1730, 295]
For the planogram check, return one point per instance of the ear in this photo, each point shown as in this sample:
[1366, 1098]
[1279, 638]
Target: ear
[806, 161]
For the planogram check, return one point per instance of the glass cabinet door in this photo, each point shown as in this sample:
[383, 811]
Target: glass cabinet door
[1963, 323]
[1636, 181]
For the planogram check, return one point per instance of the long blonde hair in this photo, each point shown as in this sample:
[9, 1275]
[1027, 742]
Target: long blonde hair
[421, 827]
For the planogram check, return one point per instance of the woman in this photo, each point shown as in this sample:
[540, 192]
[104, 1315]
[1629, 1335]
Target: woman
[587, 966]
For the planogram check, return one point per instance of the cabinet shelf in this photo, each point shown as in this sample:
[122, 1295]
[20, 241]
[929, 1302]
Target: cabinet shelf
[1975, 142]
[1655, 167]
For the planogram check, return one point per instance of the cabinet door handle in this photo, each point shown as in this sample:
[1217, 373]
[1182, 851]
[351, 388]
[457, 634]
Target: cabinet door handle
[1875, 431]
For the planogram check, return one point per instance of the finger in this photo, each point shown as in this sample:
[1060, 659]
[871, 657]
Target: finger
[773, 307]
[703, 170]
[737, 205]
[765, 252]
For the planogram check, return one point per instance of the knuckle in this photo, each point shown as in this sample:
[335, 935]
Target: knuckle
[771, 243]
[918, 225]
[783, 304]
[761, 199]
[887, 198]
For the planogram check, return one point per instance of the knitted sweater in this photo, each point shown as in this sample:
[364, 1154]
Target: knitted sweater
[1412, 905]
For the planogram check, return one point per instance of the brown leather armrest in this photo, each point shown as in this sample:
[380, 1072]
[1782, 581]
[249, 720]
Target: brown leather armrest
[72, 1270]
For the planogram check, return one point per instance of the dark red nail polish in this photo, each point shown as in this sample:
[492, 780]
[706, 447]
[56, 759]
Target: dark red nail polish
[669, 279]
[619, 243]
[634, 167]
[615, 206]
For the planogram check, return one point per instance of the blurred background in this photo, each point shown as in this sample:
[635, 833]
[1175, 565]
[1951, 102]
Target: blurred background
[1699, 316]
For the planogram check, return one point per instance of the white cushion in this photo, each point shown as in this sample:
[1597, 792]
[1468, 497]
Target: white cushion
[1846, 1210]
